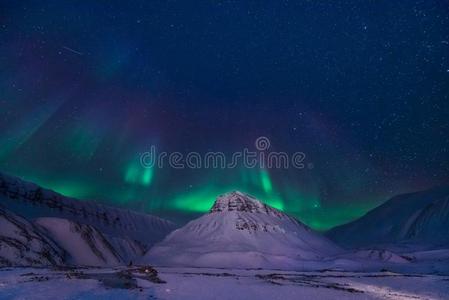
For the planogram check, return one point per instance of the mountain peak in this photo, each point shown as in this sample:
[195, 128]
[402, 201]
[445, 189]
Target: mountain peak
[241, 232]
[242, 202]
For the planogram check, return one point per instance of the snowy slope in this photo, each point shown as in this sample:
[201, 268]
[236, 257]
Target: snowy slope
[85, 244]
[375, 255]
[432, 222]
[56, 241]
[240, 231]
[24, 244]
[32, 202]
[419, 218]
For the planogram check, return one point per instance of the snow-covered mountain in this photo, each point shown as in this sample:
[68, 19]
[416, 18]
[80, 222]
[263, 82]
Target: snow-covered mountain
[32, 201]
[24, 244]
[84, 244]
[240, 231]
[419, 219]
[109, 235]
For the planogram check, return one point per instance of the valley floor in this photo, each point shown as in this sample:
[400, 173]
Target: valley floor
[192, 283]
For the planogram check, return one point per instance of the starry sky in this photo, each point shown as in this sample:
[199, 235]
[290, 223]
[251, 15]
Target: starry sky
[361, 87]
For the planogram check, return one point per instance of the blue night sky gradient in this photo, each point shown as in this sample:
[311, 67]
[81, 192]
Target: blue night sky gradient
[361, 87]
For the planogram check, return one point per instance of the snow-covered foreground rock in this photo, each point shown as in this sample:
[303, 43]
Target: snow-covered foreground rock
[192, 283]
[241, 232]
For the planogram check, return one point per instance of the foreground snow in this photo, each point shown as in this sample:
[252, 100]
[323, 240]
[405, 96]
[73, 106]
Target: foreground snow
[196, 283]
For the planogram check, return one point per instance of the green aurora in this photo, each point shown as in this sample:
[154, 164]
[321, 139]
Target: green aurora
[140, 183]
[85, 88]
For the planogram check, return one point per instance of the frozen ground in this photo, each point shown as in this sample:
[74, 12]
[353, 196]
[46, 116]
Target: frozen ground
[194, 283]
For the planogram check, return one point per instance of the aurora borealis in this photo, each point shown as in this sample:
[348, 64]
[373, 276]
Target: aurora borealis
[361, 88]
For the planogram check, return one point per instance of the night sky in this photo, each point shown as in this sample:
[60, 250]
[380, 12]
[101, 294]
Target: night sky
[361, 87]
